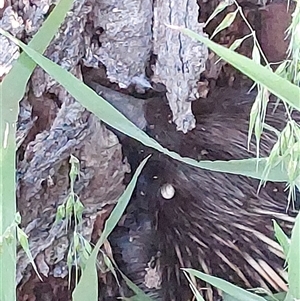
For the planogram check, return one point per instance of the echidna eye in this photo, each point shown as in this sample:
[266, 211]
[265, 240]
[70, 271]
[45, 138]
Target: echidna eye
[167, 191]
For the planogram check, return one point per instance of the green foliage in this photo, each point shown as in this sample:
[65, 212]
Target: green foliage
[282, 238]
[72, 209]
[282, 165]
[228, 288]
[293, 259]
[87, 288]
[193, 286]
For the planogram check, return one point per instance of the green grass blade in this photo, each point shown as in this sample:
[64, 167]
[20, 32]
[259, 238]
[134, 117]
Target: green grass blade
[87, 288]
[277, 297]
[274, 83]
[139, 294]
[7, 210]
[225, 286]
[227, 297]
[282, 238]
[288, 297]
[294, 261]
[106, 112]
[193, 288]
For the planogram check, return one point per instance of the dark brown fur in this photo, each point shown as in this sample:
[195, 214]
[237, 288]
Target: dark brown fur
[216, 222]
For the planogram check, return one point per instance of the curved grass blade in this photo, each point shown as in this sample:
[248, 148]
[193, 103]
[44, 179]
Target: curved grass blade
[293, 260]
[193, 287]
[277, 297]
[282, 238]
[139, 294]
[226, 22]
[225, 286]
[107, 113]
[221, 6]
[87, 288]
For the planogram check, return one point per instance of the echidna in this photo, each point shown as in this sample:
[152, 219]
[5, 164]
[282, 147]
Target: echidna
[218, 223]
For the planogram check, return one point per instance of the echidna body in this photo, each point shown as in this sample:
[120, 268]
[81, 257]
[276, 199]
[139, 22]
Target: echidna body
[215, 222]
